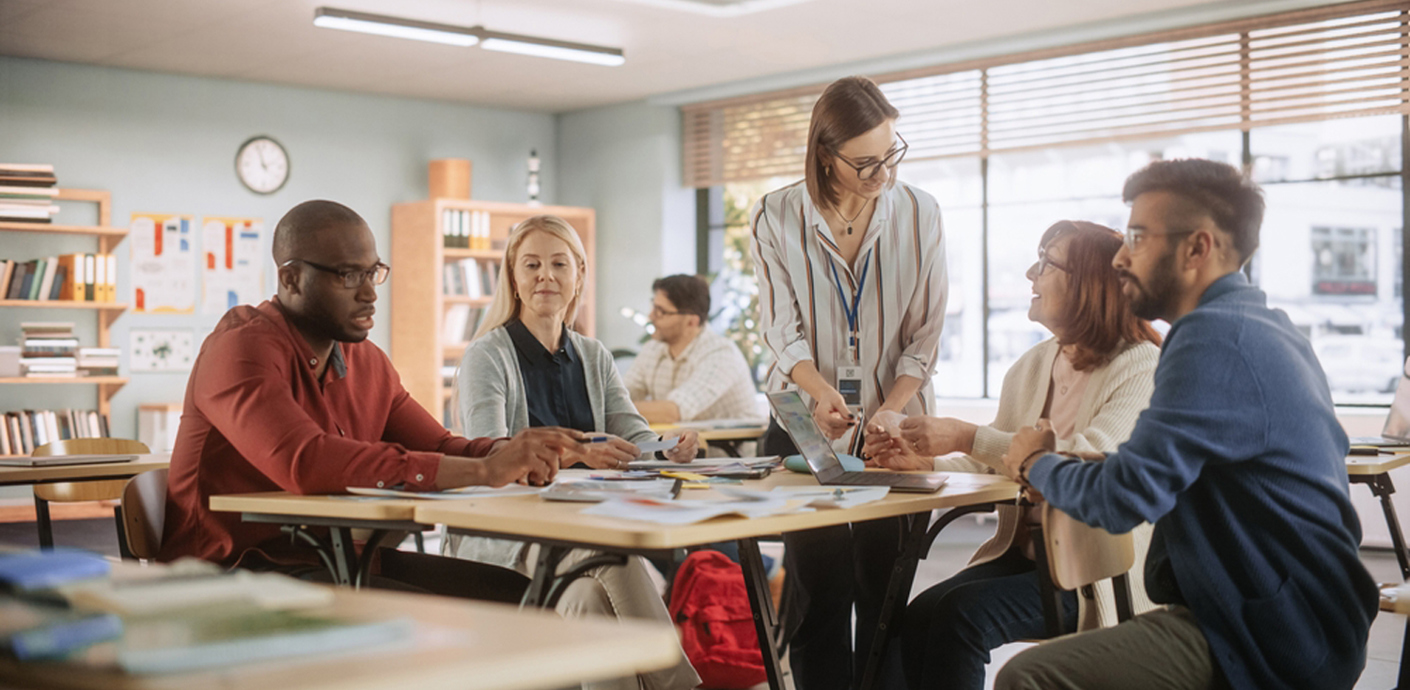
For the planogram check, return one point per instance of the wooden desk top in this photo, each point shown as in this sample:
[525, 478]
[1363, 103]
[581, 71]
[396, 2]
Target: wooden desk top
[10, 475]
[345, 507]
[1374, 464]
[459, 644]
[531, 516]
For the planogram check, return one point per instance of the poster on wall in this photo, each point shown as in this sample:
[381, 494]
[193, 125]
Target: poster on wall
[233, 267]
[160, 350]
[163, 264]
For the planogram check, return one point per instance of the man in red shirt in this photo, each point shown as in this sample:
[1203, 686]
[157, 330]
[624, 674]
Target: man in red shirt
[289, 396]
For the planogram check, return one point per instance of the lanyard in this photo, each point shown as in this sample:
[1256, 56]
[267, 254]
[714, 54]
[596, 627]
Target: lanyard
[853, 314]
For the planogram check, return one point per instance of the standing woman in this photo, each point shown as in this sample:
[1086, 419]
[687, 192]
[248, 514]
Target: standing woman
[852, 301]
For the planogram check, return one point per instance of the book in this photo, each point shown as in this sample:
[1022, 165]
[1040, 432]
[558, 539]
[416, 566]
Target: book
[22, 571]
[35, 630]
[51, 266]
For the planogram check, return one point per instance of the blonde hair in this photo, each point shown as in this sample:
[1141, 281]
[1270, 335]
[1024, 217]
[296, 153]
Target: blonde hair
[504, 307]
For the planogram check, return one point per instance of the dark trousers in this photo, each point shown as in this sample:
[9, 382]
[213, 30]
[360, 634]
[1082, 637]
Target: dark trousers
[950, 628]
[829, 571]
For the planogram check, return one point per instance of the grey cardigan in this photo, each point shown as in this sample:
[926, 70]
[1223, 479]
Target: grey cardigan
[492, 403]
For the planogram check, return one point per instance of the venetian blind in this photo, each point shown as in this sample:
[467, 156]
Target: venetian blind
[1346, 60]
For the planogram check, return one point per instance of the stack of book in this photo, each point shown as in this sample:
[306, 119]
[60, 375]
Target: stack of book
[474, 278]
[465, 229]
[23, 431]
[98, 361]
[27, 193]
[70, 277]
[48, 349]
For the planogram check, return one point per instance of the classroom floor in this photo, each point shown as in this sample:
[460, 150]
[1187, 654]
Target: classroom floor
[952, 549]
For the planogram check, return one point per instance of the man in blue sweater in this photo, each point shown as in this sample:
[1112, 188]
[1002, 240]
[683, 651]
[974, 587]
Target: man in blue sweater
[1239, 462]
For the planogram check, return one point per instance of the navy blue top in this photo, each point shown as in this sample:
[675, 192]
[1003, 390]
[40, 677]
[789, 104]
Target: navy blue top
[554, 385]
[1240, 463]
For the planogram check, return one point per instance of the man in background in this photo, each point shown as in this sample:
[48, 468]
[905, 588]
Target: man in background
[688, 372]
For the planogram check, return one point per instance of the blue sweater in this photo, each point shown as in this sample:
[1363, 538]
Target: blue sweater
[1240, 463]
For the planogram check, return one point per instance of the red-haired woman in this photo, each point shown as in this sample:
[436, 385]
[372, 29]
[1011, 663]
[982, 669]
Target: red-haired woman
[1092, 379]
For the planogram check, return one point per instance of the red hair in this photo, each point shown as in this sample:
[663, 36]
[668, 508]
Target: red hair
[1098, 321]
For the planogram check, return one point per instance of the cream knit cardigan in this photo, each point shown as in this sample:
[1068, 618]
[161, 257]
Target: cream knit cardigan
[1115, 396]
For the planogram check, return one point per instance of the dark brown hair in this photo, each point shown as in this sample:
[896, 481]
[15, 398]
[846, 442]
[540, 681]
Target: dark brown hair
[1218, 190]
[689, 294]
[847, 109]
[1098, 318]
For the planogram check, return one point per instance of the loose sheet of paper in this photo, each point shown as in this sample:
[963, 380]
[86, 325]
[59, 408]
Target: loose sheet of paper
[448, 494]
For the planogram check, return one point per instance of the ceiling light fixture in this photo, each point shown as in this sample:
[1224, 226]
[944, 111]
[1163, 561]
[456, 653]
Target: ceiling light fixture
[549, 48]
[383, 25]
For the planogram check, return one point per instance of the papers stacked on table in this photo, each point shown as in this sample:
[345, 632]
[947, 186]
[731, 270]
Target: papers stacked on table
[462, 492]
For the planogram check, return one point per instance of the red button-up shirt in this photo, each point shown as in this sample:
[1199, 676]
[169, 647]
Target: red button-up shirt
[256, 418]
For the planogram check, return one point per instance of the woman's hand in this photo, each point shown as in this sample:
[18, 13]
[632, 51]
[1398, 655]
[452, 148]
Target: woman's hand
[938, 435]
[1029, 441]
[685, 449]
[888, 451]
[832, 415]
[612, 454]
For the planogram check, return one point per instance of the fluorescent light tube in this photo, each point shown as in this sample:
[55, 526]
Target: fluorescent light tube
[396, 27]
[558, 50]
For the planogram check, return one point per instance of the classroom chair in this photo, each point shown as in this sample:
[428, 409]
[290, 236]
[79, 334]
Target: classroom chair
[1078, 557]
[73, 492]
[144, 514]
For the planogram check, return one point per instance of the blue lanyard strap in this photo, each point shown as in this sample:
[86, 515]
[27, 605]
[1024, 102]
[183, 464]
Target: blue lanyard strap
[853, 314]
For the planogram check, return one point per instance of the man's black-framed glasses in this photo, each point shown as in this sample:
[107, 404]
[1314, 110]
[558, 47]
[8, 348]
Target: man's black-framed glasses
[352, 278]
[867, 171]
[1044, 261]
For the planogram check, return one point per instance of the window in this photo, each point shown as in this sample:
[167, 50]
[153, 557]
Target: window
[1309, 102]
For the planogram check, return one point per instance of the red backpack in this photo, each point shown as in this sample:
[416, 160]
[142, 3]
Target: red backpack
[711, 607]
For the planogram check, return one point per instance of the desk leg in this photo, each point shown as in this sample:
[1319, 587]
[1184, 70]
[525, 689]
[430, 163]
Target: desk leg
[46, 527]
[536, 596]
[898, 591]
[1382, 488]
[1404, 679]
[345, 567]
[756, 582]
[731, 448]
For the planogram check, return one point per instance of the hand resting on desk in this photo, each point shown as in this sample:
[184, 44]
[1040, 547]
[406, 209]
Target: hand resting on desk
[531, 457]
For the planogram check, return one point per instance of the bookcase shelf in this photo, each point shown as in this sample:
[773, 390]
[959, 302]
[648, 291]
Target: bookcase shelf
[107, 312]
[62, 304]
[419, 302]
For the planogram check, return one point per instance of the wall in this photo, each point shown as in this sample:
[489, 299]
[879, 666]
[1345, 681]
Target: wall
[166, 144]
[625, 161]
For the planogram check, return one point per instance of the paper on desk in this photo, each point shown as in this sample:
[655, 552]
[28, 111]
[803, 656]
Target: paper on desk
[703, 463]
[668, 512]
[462, 492]
[598, 490]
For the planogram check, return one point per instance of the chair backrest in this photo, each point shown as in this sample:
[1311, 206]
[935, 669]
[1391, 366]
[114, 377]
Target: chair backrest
[101, 490]
[144, 513]
[1080, 555]
[91, 446]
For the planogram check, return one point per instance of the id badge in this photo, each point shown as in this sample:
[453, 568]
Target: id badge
[849, 384]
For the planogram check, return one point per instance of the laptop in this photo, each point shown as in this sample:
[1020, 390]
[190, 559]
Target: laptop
[793, 415]
[60, 460]
[1396, 431]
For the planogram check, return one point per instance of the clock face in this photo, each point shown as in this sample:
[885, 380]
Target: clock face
[262, 164]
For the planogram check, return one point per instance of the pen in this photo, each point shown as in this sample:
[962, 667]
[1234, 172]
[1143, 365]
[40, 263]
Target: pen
[676, 489]
[598, 438]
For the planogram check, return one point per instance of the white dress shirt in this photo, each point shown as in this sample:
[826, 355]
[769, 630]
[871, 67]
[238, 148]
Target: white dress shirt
[709, 380]
[902, 305]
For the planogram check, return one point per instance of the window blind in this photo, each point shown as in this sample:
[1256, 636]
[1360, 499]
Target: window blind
[1345, 60]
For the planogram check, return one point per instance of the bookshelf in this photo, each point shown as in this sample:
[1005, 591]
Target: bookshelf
[419, 301]
[107, 312]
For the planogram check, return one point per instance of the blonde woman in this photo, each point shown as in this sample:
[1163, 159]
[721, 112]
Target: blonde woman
[526, 367]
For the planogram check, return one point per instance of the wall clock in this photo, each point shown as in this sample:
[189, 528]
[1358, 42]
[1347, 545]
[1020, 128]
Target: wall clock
[262, 165]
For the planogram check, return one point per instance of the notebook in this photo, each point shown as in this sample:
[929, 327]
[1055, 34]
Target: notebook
[1396, 432]
[793, 415]
[61, 460]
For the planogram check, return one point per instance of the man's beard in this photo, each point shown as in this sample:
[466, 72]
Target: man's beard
[1154, 301]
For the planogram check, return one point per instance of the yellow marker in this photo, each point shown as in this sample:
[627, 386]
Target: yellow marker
[688, 476]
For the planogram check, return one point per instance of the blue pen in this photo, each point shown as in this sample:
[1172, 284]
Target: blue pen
[599, 438]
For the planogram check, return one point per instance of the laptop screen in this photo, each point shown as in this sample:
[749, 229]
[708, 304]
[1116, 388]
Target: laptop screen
[1398, 421]
[793, 415]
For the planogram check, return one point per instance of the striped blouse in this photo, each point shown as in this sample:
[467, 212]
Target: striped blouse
[902, 303]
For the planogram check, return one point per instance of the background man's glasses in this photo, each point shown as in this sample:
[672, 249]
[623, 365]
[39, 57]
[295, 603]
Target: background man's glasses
[352, 278]
[869, 170]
